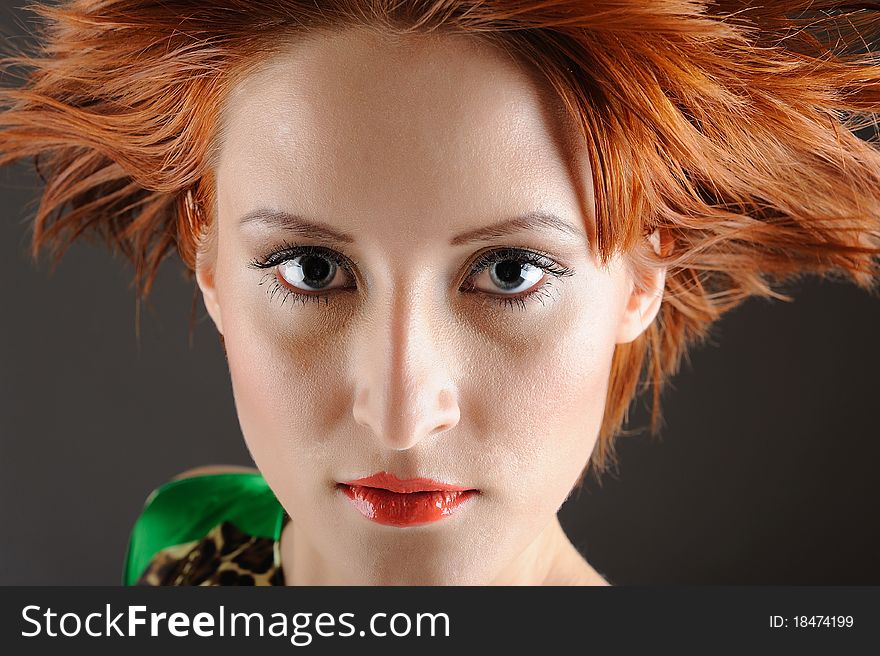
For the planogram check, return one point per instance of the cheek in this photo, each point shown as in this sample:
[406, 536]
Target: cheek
[285, 377]
[541, 402]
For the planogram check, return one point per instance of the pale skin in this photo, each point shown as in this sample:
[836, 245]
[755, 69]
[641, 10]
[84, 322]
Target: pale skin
[409, 363]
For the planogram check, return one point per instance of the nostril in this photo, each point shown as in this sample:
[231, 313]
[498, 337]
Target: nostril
[445, 426]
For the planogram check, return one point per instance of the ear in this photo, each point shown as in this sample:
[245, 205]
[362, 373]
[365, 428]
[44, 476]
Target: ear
[205, 278]
[644, 299]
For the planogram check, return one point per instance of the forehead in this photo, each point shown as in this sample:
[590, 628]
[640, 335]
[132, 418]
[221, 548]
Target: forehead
[352, 124]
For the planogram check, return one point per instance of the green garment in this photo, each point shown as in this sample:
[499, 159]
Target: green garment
[186, 509]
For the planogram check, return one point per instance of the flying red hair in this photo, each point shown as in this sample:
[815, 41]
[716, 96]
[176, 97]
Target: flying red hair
[731, 127]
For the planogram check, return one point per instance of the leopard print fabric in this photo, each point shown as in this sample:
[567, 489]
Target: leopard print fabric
[225, 556]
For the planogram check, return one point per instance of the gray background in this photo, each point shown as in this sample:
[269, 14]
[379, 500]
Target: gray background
[765, 474]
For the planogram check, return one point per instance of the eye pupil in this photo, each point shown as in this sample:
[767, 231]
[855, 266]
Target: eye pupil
[507, 273]
[309, 271]
[316, 270]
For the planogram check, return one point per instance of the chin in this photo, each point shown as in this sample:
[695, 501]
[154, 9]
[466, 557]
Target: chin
[438, 573]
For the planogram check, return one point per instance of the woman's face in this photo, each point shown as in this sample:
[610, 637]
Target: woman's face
[404, 284]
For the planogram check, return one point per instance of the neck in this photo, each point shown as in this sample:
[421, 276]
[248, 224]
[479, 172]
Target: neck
[550, 559]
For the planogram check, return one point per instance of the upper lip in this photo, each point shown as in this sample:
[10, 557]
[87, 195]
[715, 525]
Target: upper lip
[390, 482]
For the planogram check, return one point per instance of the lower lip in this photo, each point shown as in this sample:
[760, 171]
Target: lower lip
[404, 509]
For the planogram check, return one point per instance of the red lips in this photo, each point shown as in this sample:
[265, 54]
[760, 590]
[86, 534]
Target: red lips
[386, 499]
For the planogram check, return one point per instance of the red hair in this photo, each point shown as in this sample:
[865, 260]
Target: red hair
[729, 127]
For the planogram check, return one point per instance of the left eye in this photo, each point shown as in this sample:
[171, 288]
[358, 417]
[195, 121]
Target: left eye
[514, 274]
[508, 276]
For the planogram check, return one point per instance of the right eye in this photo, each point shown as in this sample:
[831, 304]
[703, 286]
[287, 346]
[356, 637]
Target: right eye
[309, 270]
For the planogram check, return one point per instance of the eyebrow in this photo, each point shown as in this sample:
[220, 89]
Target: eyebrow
[531, 221]
[296, 224]
[317, 230]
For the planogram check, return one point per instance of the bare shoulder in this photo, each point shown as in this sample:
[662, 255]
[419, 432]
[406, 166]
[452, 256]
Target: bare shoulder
[214, 469]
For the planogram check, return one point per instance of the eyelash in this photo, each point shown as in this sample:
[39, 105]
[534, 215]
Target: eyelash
[535, 258]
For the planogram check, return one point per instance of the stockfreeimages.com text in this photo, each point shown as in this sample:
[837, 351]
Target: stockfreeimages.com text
[301, 627]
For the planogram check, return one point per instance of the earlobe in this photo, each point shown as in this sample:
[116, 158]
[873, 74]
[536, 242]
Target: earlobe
[206, 282]
[644, 300]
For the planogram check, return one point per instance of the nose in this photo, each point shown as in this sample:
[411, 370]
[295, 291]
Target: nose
[403, 391]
